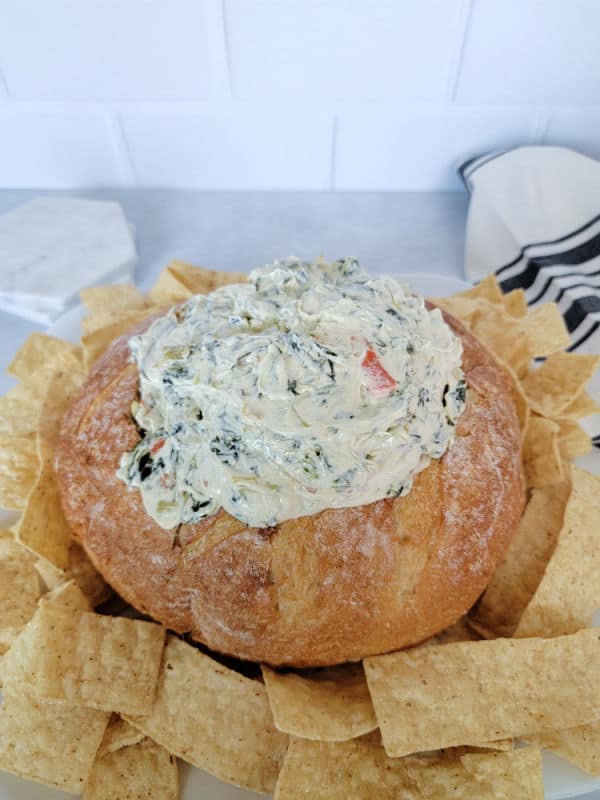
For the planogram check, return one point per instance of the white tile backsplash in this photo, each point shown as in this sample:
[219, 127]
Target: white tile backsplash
[532, 52]
[245, 148]
[578, 130]
[380, 149]
[245, 94]
[341, 49]
[105, 50]
[48, 149]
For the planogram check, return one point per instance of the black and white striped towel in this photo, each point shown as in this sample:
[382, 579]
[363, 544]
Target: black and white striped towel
[534, 220]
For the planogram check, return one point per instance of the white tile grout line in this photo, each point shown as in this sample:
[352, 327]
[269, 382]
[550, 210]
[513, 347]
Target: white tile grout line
[215, 105]
[217, 53]
[333, 154]
[4, 93]
[462, 31]
[121, 148]
[227, 48]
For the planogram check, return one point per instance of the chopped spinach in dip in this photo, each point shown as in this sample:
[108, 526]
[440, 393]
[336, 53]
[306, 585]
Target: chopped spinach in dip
[312, 386]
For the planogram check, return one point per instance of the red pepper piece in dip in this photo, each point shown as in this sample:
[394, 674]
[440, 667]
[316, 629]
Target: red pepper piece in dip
[379, 380]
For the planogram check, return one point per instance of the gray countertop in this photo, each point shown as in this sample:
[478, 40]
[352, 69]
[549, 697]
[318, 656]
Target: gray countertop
[388, 232]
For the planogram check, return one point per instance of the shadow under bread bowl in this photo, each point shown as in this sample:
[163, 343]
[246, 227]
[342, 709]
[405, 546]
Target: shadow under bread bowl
[322, 589]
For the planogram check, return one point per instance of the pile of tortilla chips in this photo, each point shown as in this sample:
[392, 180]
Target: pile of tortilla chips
[103, 705]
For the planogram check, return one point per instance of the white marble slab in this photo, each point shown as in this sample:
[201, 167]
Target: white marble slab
[53, 246]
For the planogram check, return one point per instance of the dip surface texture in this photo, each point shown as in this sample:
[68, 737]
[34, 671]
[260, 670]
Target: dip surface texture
[313, 386]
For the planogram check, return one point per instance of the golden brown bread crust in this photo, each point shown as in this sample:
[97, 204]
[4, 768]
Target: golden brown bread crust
[336, 586]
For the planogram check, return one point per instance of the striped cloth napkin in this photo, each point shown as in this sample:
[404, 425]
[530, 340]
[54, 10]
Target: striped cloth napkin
[534, 220]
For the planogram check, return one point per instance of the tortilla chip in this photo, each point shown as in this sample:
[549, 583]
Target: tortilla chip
[464, 309]
[15, 673]
[510, 333]
[519, 575]
[461, 631]
[168, 290]
[541, 457]
[107, 663]
[330, 705]
[180, 281]
[482, 631]
[19, 590]
[487, 289]
[20, 410]
[39, 384]
[573, 441]
[87, 577]
[515, 303]
[118, 317]
[580, 746]
[41, 354]
[98, 341]
[117, 296]
[502, 745]
[569, 591]
[143, 770]
[545, 328]
[6, 533]
[67, 595]
[51, 576]
[497, 330]
[200, 280]
[54, 744]
[560, 379]
[81, 570]
[454, 753]
[584, 405]
[19, 468]
[214, 718]
[517, 773]
[118, 734]
[360, 769]
[43, 528]
[59, 395]
[494, 327]
[444, 696]
[51, 744]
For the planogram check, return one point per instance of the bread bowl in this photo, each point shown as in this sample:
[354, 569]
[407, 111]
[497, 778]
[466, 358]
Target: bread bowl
[316, 589]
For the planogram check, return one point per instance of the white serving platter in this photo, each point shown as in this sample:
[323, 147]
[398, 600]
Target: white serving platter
[561, 779]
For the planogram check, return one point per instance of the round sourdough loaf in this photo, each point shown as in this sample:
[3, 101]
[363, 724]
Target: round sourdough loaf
[336, 586]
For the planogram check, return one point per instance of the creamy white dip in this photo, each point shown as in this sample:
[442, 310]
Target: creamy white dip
[312, 386]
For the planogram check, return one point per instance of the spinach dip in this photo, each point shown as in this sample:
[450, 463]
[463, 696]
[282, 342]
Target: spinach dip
[312, 386]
